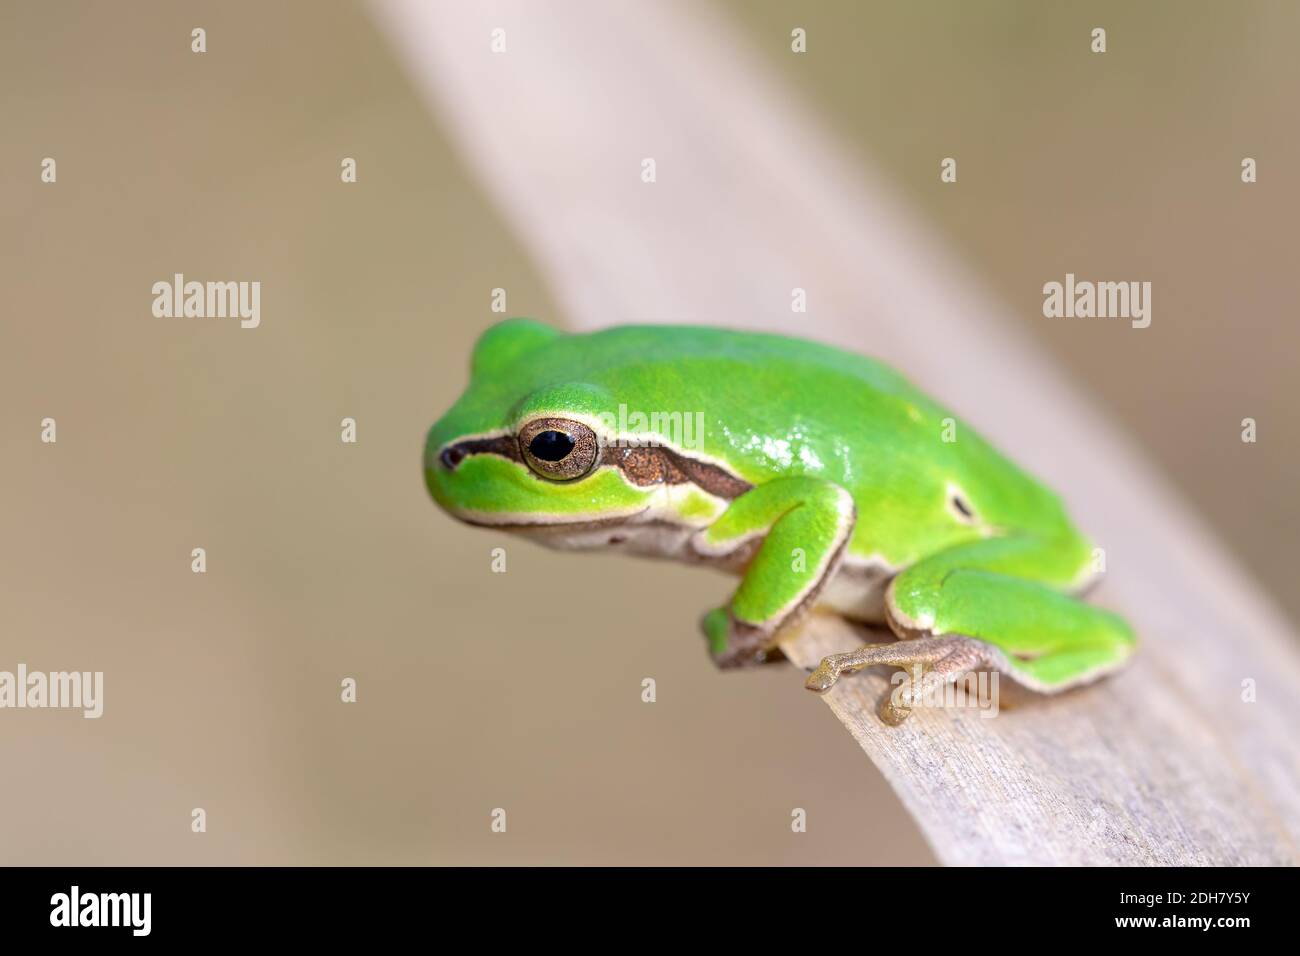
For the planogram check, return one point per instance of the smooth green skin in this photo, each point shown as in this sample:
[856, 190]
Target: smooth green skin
[836, 446]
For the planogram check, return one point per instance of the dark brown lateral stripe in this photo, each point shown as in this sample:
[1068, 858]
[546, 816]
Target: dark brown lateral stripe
[650, 465]
[716, 481]
[643, 465]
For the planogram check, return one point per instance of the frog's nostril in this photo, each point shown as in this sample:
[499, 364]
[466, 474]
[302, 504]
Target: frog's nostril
[451, 457]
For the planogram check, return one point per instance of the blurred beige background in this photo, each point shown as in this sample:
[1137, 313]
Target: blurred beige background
[327, 560]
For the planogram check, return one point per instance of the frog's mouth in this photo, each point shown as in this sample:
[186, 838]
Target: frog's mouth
[561, 524]
[646, 532]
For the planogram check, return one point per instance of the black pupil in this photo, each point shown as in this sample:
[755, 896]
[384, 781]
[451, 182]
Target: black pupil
[551, 446]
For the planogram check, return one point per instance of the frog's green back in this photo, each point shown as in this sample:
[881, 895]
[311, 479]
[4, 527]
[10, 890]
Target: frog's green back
[771, 406]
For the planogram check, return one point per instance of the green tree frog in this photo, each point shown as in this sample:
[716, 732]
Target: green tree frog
[820, 477]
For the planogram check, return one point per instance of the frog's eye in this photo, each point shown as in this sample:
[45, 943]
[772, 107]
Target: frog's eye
[557, 448]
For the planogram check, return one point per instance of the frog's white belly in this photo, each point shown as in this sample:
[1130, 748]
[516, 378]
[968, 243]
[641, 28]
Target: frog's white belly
[856, 590]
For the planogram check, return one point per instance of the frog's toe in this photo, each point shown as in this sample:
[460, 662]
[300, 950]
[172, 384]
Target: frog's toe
[716, 625]
[891, 713]
[822, 679]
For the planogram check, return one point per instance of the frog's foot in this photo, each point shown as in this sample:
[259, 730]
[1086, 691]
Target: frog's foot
[734, 644]
[933, 662]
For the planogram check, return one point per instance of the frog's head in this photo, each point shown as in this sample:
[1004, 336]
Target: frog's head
[522, 447]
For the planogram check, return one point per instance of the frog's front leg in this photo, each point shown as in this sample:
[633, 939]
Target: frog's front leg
[800, 526]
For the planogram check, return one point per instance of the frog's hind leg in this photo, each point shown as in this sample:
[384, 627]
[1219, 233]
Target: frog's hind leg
[1002, 603]
[804, 525]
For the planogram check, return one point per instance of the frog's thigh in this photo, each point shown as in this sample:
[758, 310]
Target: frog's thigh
[804, 525]
[1049, 639]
